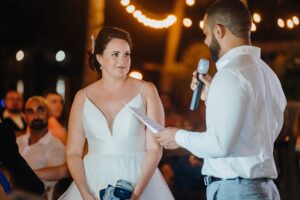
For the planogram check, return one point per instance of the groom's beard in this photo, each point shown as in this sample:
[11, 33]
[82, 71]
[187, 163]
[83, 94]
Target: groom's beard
[215, 49]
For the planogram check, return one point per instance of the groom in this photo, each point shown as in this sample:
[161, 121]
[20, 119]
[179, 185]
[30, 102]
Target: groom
[244, 111]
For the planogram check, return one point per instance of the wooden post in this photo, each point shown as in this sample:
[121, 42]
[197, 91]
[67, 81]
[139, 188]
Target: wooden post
[173, 40]
[95, 22]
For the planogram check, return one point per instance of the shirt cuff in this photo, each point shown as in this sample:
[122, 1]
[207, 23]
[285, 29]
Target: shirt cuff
[180, 137]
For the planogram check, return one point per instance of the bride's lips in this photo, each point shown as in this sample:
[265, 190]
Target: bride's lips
[121, 67]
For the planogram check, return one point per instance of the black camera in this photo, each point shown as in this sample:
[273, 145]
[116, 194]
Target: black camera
[122, 191]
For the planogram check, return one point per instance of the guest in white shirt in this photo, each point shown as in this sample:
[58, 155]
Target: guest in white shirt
[244, 111]
[44, 153]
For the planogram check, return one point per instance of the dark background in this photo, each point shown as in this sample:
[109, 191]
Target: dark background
[41, 28]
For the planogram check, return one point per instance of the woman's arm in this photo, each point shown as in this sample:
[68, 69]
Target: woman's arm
[154, 150]
[75, 146]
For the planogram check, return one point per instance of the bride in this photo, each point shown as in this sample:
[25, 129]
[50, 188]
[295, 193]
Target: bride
[120, 146]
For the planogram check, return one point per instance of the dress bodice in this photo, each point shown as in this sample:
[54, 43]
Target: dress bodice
[126, 136]
[116, 154]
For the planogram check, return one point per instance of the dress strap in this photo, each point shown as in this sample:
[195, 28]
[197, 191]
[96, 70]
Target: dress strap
[140, 92]
[85, 92]
[142, 87]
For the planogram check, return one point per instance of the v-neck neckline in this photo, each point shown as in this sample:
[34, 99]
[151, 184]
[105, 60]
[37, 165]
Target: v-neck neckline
[110, 129]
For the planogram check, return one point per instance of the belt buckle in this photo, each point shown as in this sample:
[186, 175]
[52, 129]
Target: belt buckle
[207, 180]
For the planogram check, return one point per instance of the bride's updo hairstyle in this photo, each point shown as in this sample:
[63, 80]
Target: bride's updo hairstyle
[105, 35]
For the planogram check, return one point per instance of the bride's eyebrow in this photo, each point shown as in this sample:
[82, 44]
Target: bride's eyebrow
[115, 51]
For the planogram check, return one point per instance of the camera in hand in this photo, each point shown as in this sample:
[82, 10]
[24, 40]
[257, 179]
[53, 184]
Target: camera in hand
[122, 191]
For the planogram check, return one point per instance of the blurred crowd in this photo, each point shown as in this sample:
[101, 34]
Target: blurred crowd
[33, 139]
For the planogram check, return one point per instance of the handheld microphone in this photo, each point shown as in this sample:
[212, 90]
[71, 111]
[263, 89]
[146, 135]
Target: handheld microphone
[203, 66]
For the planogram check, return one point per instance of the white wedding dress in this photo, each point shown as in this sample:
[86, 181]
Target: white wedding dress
[116, 154]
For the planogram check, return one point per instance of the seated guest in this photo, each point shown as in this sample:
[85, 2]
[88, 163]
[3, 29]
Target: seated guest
[55, 103]
[22, 175]
[12, 115]
[43, 152]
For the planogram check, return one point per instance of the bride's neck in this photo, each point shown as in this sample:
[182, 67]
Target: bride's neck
[109, 83]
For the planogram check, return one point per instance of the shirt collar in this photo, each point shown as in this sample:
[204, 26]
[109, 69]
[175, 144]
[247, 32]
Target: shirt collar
[232, 53]
[45, 140]
[7, 114]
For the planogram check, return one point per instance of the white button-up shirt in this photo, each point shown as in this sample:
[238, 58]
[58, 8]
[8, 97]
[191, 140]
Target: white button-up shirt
[47, 152]
[244, 115]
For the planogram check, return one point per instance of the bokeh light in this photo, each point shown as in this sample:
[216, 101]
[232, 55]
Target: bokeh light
[136, 74]
[20, 55]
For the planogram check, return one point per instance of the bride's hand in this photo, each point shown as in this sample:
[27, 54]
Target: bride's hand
[134, 196]
[89, 196]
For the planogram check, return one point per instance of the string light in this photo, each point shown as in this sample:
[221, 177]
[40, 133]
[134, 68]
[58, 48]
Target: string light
[290, 24]
[125, 2]
[296, 20]
[171, 18]
[256, 18]
[187, 22]
[280, 22]
[147, 21]
[190, 2]
[130, 9]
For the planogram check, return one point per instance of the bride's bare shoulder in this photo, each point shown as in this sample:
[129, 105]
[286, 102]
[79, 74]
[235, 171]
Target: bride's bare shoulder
[79, 96]
[81, 93]
[92, 86]
[142, 84]
[149, 87]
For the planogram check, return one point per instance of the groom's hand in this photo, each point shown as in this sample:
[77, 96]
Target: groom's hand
[166, 138]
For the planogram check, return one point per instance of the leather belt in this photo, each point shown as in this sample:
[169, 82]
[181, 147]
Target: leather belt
[209, 179]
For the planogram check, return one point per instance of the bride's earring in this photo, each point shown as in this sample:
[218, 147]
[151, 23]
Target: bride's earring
[98, 58]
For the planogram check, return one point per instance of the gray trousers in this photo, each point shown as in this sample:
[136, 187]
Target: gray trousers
[242, 189]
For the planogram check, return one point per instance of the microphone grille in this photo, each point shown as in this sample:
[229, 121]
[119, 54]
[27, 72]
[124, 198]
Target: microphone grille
[203, 66]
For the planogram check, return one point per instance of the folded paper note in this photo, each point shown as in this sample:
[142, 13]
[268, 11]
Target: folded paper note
[153, 126]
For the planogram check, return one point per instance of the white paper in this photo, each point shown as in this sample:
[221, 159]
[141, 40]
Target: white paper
[152, 125]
